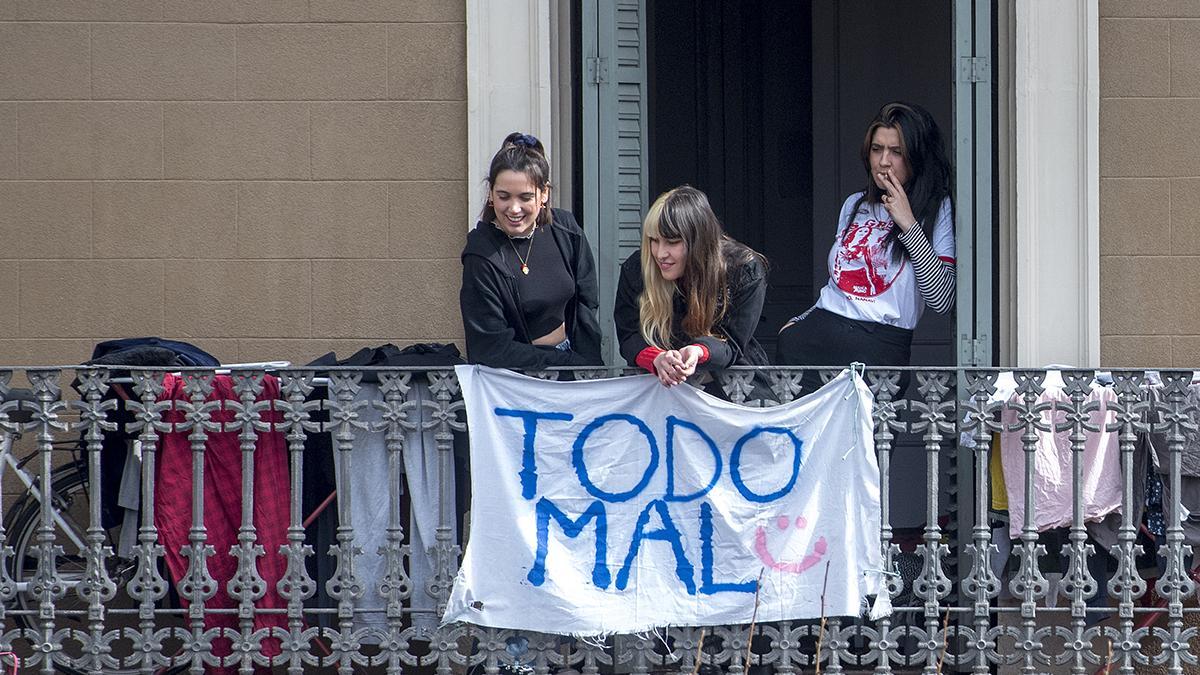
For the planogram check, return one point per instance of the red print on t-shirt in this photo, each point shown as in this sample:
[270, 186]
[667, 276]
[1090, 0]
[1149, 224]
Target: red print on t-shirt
[863, 266]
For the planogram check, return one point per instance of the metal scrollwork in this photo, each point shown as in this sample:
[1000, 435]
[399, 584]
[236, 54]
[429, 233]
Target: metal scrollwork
[68, 604]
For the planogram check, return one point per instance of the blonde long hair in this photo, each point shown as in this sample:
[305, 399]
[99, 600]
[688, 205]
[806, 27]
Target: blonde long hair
[684, 213]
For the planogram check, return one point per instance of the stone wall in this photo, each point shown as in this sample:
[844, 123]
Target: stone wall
[268, 179]
[1149, 182]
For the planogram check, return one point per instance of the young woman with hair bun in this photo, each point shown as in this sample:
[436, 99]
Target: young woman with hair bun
[529, 296]
[690, 299]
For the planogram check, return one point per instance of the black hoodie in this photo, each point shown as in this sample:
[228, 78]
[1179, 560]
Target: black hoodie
[491, 304]
[733, 344]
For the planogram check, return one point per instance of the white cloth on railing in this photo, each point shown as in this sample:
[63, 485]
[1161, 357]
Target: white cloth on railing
[371, 488]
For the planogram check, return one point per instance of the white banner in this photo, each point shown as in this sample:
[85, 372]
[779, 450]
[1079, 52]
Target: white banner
[619, 505]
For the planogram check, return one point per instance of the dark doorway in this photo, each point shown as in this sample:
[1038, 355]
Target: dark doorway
[730, 112]
[762, 104]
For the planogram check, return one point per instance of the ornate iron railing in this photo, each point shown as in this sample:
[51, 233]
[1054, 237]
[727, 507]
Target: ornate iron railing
[75, 597]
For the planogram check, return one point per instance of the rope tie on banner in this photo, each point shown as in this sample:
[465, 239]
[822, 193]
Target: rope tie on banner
[16, 662]
[857, 370]
[883, 599]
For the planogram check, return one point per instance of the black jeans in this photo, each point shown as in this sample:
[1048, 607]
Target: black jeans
[823, 338]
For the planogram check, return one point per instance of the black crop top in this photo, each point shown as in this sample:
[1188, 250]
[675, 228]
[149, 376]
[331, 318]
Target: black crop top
[548, 287]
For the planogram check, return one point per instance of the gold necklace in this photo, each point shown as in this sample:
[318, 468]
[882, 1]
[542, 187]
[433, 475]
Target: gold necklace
[524, 263]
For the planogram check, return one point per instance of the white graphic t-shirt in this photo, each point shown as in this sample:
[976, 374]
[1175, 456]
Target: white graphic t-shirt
[864, 281]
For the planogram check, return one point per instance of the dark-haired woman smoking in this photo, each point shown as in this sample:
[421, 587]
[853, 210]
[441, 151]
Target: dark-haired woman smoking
[893, 255]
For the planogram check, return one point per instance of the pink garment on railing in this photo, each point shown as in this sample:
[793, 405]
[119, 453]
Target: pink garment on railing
[223, 506]
[1052, 481]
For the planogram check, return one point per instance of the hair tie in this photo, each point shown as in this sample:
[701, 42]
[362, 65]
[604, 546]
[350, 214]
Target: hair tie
[526, 141]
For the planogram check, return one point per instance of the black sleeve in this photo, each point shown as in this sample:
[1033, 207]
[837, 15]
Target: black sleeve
[585, 340]
[626, 312]
[746, 300]
[491, 340]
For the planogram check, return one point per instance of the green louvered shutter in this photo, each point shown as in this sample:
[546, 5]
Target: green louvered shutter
[614, 141]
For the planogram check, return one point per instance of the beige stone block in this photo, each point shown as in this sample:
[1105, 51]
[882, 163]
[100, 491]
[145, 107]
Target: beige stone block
[1135, 351]
[285, 62]
[1148, 137]
[225, 349]
[1185, 216]
[1185, 57]
[86, 10]
[402, 300]
[249, 140]
[10, 302]
[1135, 57]
[395, 140]
[305, 350]
[90, 140]
[312, 220]
[298, 351]
[8, 10]
[84, 298]
[235, 11]
[238, 298]
[165, 219]
[163, 61]
[42, 219]
[1150, 295]
[427, 219]
[44, 60]
[388, 10]
[1149, 8]
[427, 62]
[1185, 351]
[8, 140]
[44, 352]
[1135, 216]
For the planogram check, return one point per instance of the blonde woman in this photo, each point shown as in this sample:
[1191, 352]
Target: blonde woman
[692, 297]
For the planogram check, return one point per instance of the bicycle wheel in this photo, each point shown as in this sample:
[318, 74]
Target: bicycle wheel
[70, 498]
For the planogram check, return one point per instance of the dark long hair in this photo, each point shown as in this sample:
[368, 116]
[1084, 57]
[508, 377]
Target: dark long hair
[929, 169]
[712, 258]
[525, 154]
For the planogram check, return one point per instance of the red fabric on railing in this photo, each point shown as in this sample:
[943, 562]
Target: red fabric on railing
[223, 505]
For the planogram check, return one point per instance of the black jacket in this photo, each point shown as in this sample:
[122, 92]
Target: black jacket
[491, 304]
[747, 291]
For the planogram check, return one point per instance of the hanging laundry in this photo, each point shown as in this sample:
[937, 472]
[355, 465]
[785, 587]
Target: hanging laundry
[223, 505]
[1052, 470]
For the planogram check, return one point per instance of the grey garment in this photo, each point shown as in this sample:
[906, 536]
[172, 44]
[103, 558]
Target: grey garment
[1191, 438]
[1160, 459]
[1190, 457]
[421, 462]
[1189, 493]
[129, 499]
[1104, 532]
[371, 489]
[1150, 453]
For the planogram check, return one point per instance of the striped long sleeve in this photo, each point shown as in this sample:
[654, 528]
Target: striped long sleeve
[935, 276]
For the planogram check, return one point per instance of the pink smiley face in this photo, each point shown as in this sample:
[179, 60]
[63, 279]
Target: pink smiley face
[793, 567]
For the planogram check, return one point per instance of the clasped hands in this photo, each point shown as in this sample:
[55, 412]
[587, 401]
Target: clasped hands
[673, 366]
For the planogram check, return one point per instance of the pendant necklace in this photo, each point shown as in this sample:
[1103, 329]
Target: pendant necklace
[525, 260]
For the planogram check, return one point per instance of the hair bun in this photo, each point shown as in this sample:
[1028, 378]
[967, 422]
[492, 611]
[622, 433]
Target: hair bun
[526, 141]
